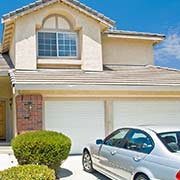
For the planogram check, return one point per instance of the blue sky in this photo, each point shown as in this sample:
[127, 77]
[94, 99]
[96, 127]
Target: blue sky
[155, 16]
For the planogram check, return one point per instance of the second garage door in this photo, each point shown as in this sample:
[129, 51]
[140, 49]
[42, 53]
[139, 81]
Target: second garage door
[146, 111]
[82, 121]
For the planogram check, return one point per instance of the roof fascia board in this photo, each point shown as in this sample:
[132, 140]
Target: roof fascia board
[91, 15]
[155, 38]
[27, 86]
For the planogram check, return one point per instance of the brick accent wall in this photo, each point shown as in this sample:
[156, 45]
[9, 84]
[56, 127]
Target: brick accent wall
[28, 113]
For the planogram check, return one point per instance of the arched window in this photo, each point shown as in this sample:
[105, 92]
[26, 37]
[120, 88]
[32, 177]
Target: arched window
[57, 38]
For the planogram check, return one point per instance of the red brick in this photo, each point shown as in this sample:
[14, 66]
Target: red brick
[35, 115]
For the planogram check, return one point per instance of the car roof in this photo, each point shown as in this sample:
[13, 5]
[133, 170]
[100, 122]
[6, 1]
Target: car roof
[158, 128]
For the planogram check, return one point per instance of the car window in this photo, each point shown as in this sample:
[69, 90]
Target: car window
[171, 140]
[116, 138]
[139, 141]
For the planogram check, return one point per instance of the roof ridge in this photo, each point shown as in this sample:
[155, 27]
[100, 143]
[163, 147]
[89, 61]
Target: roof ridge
[39, 3]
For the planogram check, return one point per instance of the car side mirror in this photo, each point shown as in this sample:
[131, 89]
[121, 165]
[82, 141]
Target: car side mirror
[99, 141]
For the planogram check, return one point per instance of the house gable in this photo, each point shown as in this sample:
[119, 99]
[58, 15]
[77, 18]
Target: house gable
[43, 3]
[89, 39]
[10, 18]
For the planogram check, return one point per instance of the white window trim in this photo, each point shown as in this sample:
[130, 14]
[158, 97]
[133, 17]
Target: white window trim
[58, 57]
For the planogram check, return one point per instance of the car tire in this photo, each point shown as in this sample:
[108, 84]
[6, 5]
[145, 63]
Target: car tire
[87, 162]
[141, 177]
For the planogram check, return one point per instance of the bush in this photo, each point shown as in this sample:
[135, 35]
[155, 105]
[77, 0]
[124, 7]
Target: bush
[42, 148]
[28, 172]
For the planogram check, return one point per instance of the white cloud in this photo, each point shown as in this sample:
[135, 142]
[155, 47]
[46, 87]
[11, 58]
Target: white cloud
[170, 48]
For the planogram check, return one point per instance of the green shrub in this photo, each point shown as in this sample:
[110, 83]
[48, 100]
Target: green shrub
[41, 147]
[28, 172]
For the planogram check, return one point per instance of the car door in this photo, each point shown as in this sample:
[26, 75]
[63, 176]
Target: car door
[137, 145]
[108, 150]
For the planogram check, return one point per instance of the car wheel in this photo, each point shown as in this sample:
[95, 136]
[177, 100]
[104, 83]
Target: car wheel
[141, 177]
[87, 162]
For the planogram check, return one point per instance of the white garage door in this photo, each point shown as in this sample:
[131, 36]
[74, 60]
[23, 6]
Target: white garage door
[82, 121]
[148, 112]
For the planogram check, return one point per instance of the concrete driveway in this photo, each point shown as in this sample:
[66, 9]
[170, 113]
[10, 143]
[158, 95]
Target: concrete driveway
[72, 170]
[7, 161]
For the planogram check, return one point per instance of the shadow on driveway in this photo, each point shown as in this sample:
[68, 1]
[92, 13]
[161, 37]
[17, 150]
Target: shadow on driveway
[65, 173]
[100, 176]
[72, 170]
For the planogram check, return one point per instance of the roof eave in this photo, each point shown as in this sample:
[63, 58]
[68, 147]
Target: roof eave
[155, 38]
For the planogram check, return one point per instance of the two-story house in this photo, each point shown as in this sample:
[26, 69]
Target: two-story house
[64, 68]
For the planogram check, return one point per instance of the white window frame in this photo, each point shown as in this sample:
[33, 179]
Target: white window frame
[59, 57]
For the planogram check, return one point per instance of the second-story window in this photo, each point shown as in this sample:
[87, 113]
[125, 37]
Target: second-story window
[57, 39]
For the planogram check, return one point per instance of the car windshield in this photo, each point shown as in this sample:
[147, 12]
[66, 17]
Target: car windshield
[171, 140]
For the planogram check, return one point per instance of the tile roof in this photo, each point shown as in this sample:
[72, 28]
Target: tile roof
[5, 63]
[42, 3]
[112, 75]
[134, 33]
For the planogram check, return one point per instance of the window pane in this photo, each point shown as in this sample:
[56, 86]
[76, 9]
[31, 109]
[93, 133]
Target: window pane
[62, 48]
[53, 47]
[41, 47]
[61, 53]
[47, 53]
[73, 53]
[171, 141]
[47, 44]
[53, 35]
[73, 48]
[53, 41]
[116, 139]
[54, 53]
[60, 36]
[67, 48]
[67, 53]
[41, 41]
[41, 53]
[61, 42]
[139, 141]
[67, 44]
[73, 42]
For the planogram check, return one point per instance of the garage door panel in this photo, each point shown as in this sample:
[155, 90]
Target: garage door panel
[82, 121]
[148, 112]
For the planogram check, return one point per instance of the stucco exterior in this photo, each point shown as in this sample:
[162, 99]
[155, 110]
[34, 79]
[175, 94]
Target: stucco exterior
[127, 51]
[90, 47]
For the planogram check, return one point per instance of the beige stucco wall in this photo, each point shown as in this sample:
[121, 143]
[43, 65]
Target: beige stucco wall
[5, 88]
[89, 32]
[127, 51]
